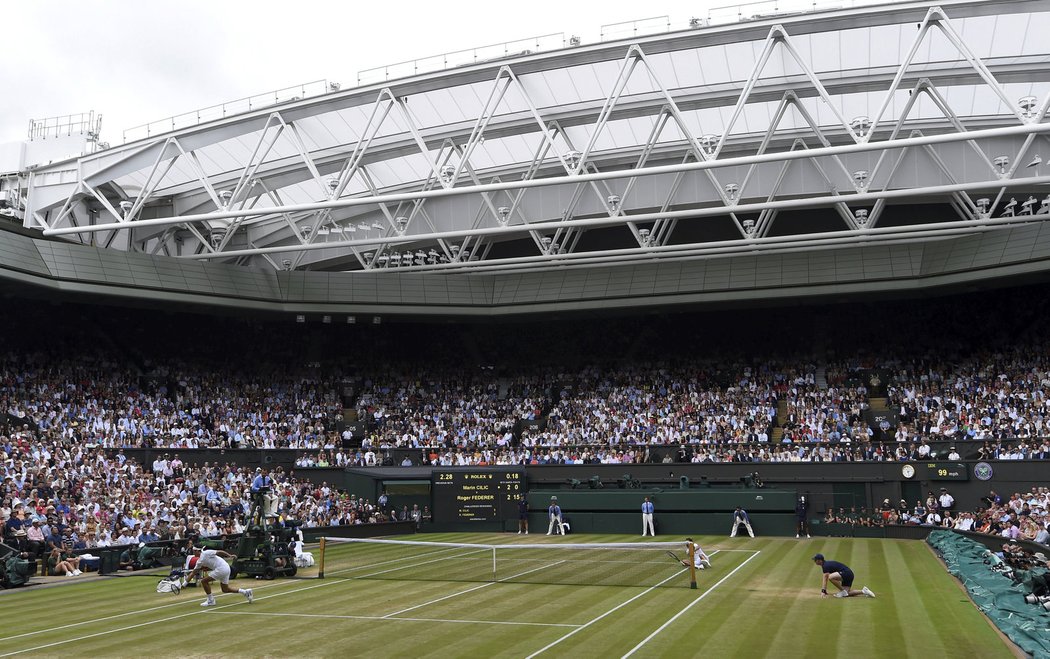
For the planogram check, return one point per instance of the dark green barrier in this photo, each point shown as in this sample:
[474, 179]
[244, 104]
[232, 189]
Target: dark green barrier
[358, 530]
[667, 524]
[995, 594]
[666, 500]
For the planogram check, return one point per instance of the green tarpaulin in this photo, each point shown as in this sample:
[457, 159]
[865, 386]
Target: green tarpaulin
[996, 594]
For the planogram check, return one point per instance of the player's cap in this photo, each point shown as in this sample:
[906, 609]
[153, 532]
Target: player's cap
[554, 498]
[818, 557]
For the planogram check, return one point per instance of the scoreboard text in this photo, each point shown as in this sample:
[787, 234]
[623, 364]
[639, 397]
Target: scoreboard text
[477, 495]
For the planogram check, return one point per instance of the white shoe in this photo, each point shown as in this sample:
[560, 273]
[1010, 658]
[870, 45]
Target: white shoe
[867, 592]
[796, 536]
[808, 535]
[208, 603]
[519, 532]
[249, 595]
[548, 532]
[842, 593]
[526, 533]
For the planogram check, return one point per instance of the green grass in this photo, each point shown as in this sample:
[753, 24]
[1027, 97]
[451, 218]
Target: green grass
[770, 606]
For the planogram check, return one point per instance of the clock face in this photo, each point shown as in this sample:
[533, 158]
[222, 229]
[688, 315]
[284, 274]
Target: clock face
[908, 471]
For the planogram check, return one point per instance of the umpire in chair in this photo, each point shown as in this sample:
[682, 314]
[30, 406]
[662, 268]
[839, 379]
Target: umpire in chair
[262, 493]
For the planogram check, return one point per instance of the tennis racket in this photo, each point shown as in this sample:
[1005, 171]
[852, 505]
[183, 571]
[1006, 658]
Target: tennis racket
[674, 556]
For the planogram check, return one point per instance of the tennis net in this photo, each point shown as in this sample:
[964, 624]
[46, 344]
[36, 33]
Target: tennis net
[610, 564]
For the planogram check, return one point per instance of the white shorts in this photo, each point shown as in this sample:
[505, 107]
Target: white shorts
[221, 573]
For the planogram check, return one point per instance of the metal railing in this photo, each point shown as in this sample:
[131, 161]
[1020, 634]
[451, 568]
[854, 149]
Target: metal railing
[81, 123]
[222, 110]
[635, 28]
[754, 11]
[466, 57]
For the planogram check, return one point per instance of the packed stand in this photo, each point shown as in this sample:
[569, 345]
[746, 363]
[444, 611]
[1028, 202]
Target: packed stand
[60, 497]
[975, 397]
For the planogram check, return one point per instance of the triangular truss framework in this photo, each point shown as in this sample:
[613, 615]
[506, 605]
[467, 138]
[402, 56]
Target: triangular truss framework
[599, 198]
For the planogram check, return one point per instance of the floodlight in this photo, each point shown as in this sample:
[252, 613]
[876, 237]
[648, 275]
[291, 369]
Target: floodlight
[573, 158]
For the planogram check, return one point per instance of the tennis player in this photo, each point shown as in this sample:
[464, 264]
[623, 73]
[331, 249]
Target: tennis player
[554, 512]
[700, 559]
[218, 570]
[840, 576]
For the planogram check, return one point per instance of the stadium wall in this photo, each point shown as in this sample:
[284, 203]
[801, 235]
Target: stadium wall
[838, 485]
[57, 268]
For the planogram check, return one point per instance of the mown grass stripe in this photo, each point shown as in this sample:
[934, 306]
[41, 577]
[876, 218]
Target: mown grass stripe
[771, 608]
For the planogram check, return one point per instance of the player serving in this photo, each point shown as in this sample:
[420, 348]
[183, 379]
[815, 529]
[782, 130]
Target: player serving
[213, 560]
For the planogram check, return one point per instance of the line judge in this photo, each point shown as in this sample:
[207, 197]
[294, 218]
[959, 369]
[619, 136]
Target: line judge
[647, 517]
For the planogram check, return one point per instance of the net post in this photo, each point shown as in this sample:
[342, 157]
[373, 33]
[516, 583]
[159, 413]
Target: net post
[692, 565]
[320, 569]
[493, 563]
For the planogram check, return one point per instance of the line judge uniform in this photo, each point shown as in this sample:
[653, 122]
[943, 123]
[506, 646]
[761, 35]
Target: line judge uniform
[647, 517]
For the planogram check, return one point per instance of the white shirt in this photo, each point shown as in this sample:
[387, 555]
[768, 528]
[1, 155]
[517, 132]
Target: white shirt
[947, 501]
[209, 560]
[698, 555]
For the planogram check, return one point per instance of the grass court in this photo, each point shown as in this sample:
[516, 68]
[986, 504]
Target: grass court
[760, 599]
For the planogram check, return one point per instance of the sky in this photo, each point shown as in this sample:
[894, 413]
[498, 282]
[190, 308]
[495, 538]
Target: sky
[136, 61]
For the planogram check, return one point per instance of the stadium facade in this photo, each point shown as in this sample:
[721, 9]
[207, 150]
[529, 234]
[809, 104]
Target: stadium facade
[883, 149]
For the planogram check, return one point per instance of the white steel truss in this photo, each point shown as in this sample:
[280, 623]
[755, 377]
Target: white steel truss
[459, 214]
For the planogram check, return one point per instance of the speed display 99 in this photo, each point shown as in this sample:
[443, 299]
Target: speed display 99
[476, 495]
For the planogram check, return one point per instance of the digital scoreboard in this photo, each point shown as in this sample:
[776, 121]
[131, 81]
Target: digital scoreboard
[947, 471]
[476, 494]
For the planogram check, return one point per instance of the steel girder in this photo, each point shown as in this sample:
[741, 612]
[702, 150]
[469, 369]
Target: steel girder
[449, 220]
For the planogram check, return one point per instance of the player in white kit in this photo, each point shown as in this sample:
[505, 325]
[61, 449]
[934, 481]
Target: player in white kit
[218, 570]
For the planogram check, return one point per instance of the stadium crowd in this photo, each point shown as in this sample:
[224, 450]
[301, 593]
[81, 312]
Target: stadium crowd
[570, 392]
[470, 416]
[1021, 516]
[59, 496]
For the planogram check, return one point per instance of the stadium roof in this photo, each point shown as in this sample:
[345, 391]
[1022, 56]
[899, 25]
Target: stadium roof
[898, 124]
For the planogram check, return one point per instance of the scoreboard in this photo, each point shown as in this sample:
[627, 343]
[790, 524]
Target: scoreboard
[476, 494]
[947, 471]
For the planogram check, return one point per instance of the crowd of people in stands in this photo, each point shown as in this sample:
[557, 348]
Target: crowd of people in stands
[1021, 516]
[560, 394]
[595, 415]
[59, 496]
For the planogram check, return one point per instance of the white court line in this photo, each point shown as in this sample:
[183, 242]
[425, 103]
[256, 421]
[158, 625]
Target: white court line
[388, 619]
[689, 606]
[470, 590]
[182, 602]
[168, 619]
[620, 606]
[204, 610]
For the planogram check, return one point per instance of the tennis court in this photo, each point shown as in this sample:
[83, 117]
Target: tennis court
[759, 599]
